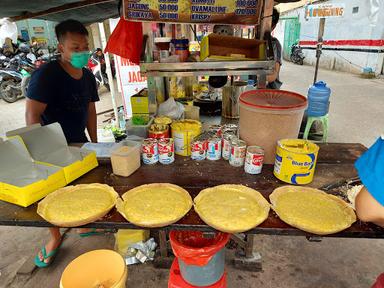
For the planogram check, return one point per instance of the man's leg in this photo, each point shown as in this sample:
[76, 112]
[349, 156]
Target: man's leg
[53, 243]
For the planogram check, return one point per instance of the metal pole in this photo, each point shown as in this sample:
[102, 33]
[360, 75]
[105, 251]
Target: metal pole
[109, 72]
[319, 47]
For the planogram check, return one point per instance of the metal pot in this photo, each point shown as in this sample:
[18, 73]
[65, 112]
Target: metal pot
[230, 103]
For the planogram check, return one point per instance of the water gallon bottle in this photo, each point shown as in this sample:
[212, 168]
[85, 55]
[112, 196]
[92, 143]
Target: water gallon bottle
[318, 99]
[250, 85]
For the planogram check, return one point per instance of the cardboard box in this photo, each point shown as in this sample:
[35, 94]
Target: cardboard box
[216, 47]
[47, 144]
[140, 102]
[24, 181]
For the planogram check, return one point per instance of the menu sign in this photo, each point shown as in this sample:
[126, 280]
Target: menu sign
[244, 12]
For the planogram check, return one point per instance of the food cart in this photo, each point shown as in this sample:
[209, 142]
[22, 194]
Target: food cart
[334, 169]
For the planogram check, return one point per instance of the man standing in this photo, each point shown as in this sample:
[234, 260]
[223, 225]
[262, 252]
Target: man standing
[64, 92]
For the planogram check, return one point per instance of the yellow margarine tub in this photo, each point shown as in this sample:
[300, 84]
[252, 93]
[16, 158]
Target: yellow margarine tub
[183, 133]
[295, 161]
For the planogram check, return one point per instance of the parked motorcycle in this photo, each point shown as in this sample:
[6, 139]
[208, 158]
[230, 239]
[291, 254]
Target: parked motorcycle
[98, 70]
[14, 80]
[297, 55]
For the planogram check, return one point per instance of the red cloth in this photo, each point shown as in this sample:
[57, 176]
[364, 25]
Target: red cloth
[126, 40]
[379, 282]
[176, 281]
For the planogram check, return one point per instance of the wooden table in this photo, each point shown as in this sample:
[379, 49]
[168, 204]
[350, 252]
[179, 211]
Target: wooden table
[335, 163]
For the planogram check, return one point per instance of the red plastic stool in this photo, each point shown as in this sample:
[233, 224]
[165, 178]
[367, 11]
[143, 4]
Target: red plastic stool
[176, 281]
[379, 282]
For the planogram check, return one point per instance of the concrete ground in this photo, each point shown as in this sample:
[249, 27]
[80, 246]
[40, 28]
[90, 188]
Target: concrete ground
[289, 262]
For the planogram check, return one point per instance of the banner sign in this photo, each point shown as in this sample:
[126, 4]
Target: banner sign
[131, 81]
[325, 11]
[244, 12]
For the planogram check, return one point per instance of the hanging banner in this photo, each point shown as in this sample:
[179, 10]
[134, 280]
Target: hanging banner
[131, 82]
[245, 12]
[325, 10]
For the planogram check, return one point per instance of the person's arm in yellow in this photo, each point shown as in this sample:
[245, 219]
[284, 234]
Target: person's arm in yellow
[92, 122]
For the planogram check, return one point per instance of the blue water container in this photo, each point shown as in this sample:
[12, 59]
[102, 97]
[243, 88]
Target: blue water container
[318, 99]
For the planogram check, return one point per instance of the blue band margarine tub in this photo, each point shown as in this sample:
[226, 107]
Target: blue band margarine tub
[295, 161]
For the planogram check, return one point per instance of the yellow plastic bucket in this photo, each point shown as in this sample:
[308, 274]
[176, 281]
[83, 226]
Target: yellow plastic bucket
[98, 268]
[295, 161]
[183, 133]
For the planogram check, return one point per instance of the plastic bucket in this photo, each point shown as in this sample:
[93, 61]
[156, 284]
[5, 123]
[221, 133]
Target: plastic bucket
[98, 268]
[267, 116]
[201, 259]
[183, 133]
[295, 161]
[176, 281]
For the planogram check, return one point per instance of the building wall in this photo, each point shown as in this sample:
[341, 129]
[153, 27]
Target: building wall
[34, 26]
[362, 32]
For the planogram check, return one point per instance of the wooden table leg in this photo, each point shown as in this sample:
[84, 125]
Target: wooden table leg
[247, 258]
[163, 244]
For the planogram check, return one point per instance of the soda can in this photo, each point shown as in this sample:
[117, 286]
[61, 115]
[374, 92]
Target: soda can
[238, 151]
[215, 130]
[198, 150]
[230, 128]
[166, 151]
[254, 160]
[226, 149]
[214, 148]
[150, 151]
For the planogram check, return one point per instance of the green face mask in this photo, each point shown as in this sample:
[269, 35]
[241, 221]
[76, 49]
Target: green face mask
[80, 59]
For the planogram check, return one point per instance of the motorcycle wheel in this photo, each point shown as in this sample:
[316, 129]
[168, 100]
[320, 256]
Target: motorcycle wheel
[301, 61]
[8, 93]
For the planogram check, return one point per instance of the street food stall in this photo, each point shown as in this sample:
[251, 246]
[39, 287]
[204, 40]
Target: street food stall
[224, 177]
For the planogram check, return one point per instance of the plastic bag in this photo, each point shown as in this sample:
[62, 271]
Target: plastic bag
[194, 249]
[126, 40]
[177, 281]
[171, 109]
[7, 30]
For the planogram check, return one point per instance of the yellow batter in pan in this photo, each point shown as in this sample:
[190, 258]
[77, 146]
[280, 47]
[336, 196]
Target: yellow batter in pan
[312, 210]
[155, 205]
[78, 205]
[231, 208]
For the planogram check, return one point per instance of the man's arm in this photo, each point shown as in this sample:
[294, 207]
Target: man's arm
[368, 209]
[274, 75]
[92, 122]
[33, 111]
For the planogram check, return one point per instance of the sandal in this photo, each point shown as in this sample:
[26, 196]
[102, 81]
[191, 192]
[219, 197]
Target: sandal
[52, 254]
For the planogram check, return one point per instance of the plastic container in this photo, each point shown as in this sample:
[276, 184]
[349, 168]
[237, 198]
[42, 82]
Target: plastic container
[230, 103]
[125, 160]
[138, 130]
[183, 133]
[98, 268]
[318, 99]
[176, 281]
[201, 259]
[295, 161]
[267, 116]
[192, 112]
[250, 85]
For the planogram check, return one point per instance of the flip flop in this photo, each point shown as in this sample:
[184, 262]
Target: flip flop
[94, 232]
[52, 254]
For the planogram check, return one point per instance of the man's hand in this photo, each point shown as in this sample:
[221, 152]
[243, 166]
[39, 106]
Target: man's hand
[33, 111]
[92, 122]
